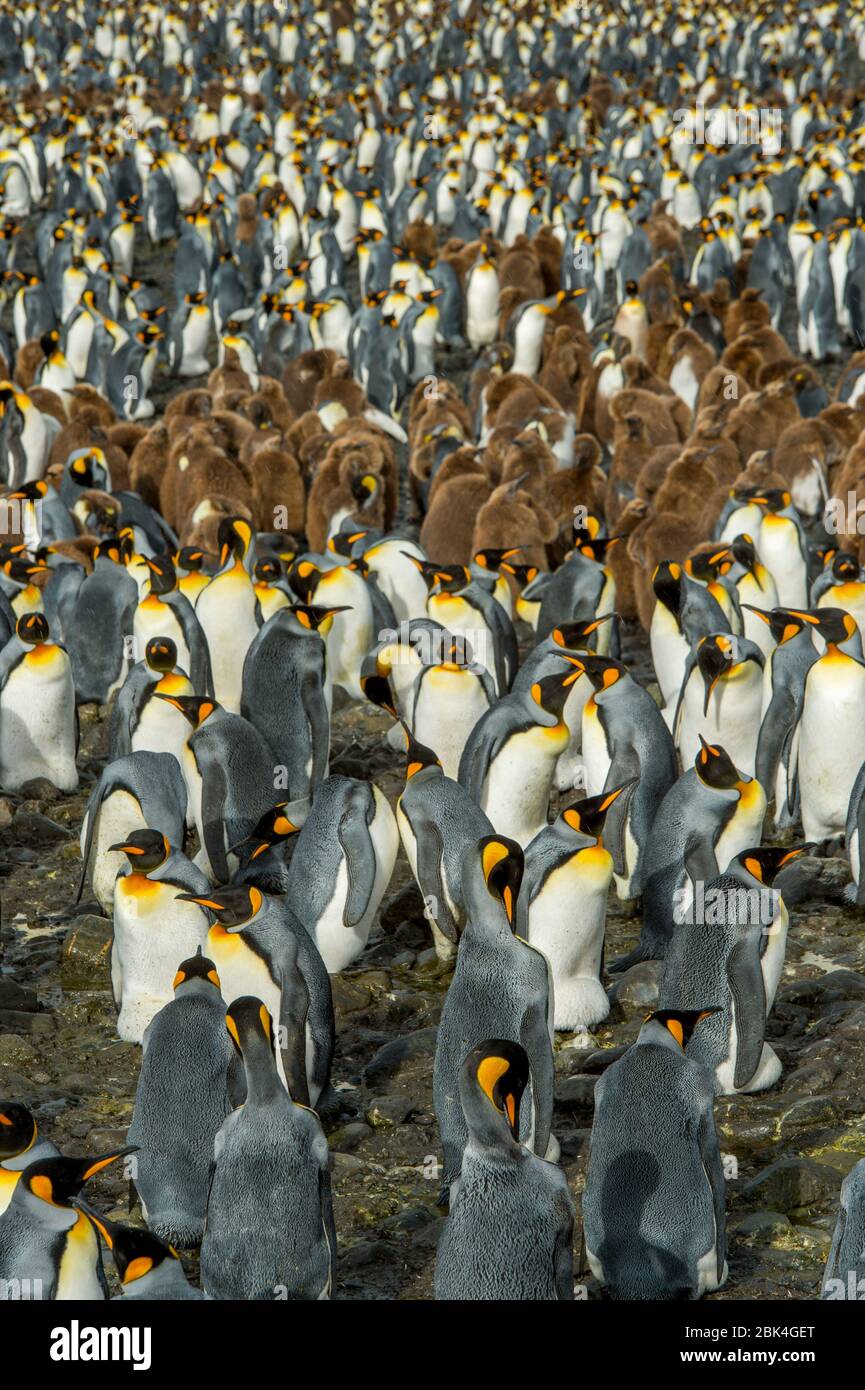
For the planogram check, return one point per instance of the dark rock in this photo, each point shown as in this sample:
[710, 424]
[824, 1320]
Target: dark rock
[639, 986]
[827, 989]
[12, 996]
[84, 959]
[7, 811]
[386, 1111]
[808, 1113]
[37, 829]
[365, 1252]
[791, 1184]
[13, 1021]
[348, 996]
[40, 789]
[396, 1056]
[576, 1093]
[347, 1138]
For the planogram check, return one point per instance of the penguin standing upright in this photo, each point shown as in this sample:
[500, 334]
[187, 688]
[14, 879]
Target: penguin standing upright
[501, 988]
[709, 814]
[783, 683]
[503, 1186]
[510, 757]
[45, 1243]
[133, 793]
[137, 720]
[38, 719]
[190, 1080]
[229, 613]
[229, 773]
[653, 1205]
[732, 950]
[562, 908]
[166, 612]
[831, 733]
[450, 696]
[437, 820]
[153, 933]
[257, 941]
[341, 866]
[270, 1232]
[625, 741]
[721, 699]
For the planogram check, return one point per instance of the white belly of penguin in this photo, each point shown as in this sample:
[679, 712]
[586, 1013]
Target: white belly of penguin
[37, 725]
[745, 827]
[161, 729]
[772, 960]
[669, 652]
[831, 745]
[596, 757]
[118, 816]
[153, 933]
[76, 1273]
[226, 611]
[732, 719]
[566, 920]
[516, 794]
[448, 707]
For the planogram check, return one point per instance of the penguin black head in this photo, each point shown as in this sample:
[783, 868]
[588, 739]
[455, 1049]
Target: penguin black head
[58, 1180]
[492, 559]
[772, 499]
[680, 1023]
[234, 537]
[448, 578]
[418, 757]
[835, 626]
[579, 636]
[667, 584]
[49, 342]
[248, 1020]
[498, 1070]
[136, 1252]
[274, 826]
[232, 906]
[502, 863]
[163, 576]
[190, 559]
[197, 967]
[714, 660]
[145, 849]
[602, 671]
[82, 471]
[782, 622]
[706, 565]
[196, 708]
[588, 816]
[765, 863]
[110, 549]
[715, 767]
[161, 654]
[586, 528]
[303, 578]
[314, 616]
[551, 692]
[846, 567]
[744, 552]
[269, 570]
[344, 542]
[597, 548]
[18, 1129]
[523, 574]
[32, 628]
[377, 690]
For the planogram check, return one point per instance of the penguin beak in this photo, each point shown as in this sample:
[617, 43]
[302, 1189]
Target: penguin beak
[125, 849]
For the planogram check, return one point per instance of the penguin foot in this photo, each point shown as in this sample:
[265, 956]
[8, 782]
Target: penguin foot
[851, 895]
[328, 1105]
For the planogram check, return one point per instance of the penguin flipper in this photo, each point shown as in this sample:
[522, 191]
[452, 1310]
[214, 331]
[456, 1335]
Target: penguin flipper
[430, 848]
[312, 699]
[535, 1038]
[354, 837]
[690, 663]
[293, 1012]
[213, 789]
[749, 1005]
[707, 1140]
[624, 767]
[563, 1250]
[200, 671]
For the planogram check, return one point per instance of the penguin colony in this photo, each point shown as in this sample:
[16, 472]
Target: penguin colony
[638, 234]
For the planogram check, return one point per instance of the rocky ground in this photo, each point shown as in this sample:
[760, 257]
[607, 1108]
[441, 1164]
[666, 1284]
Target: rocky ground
[786, 1150]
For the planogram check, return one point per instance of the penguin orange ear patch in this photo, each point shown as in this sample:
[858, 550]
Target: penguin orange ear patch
[232, 1029]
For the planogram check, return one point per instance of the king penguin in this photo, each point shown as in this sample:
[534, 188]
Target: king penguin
[501, 988]
[270, 1231]
[503, 1188]
[653, 1205]
[228, 611]
[38, 719]
[20, 1146]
